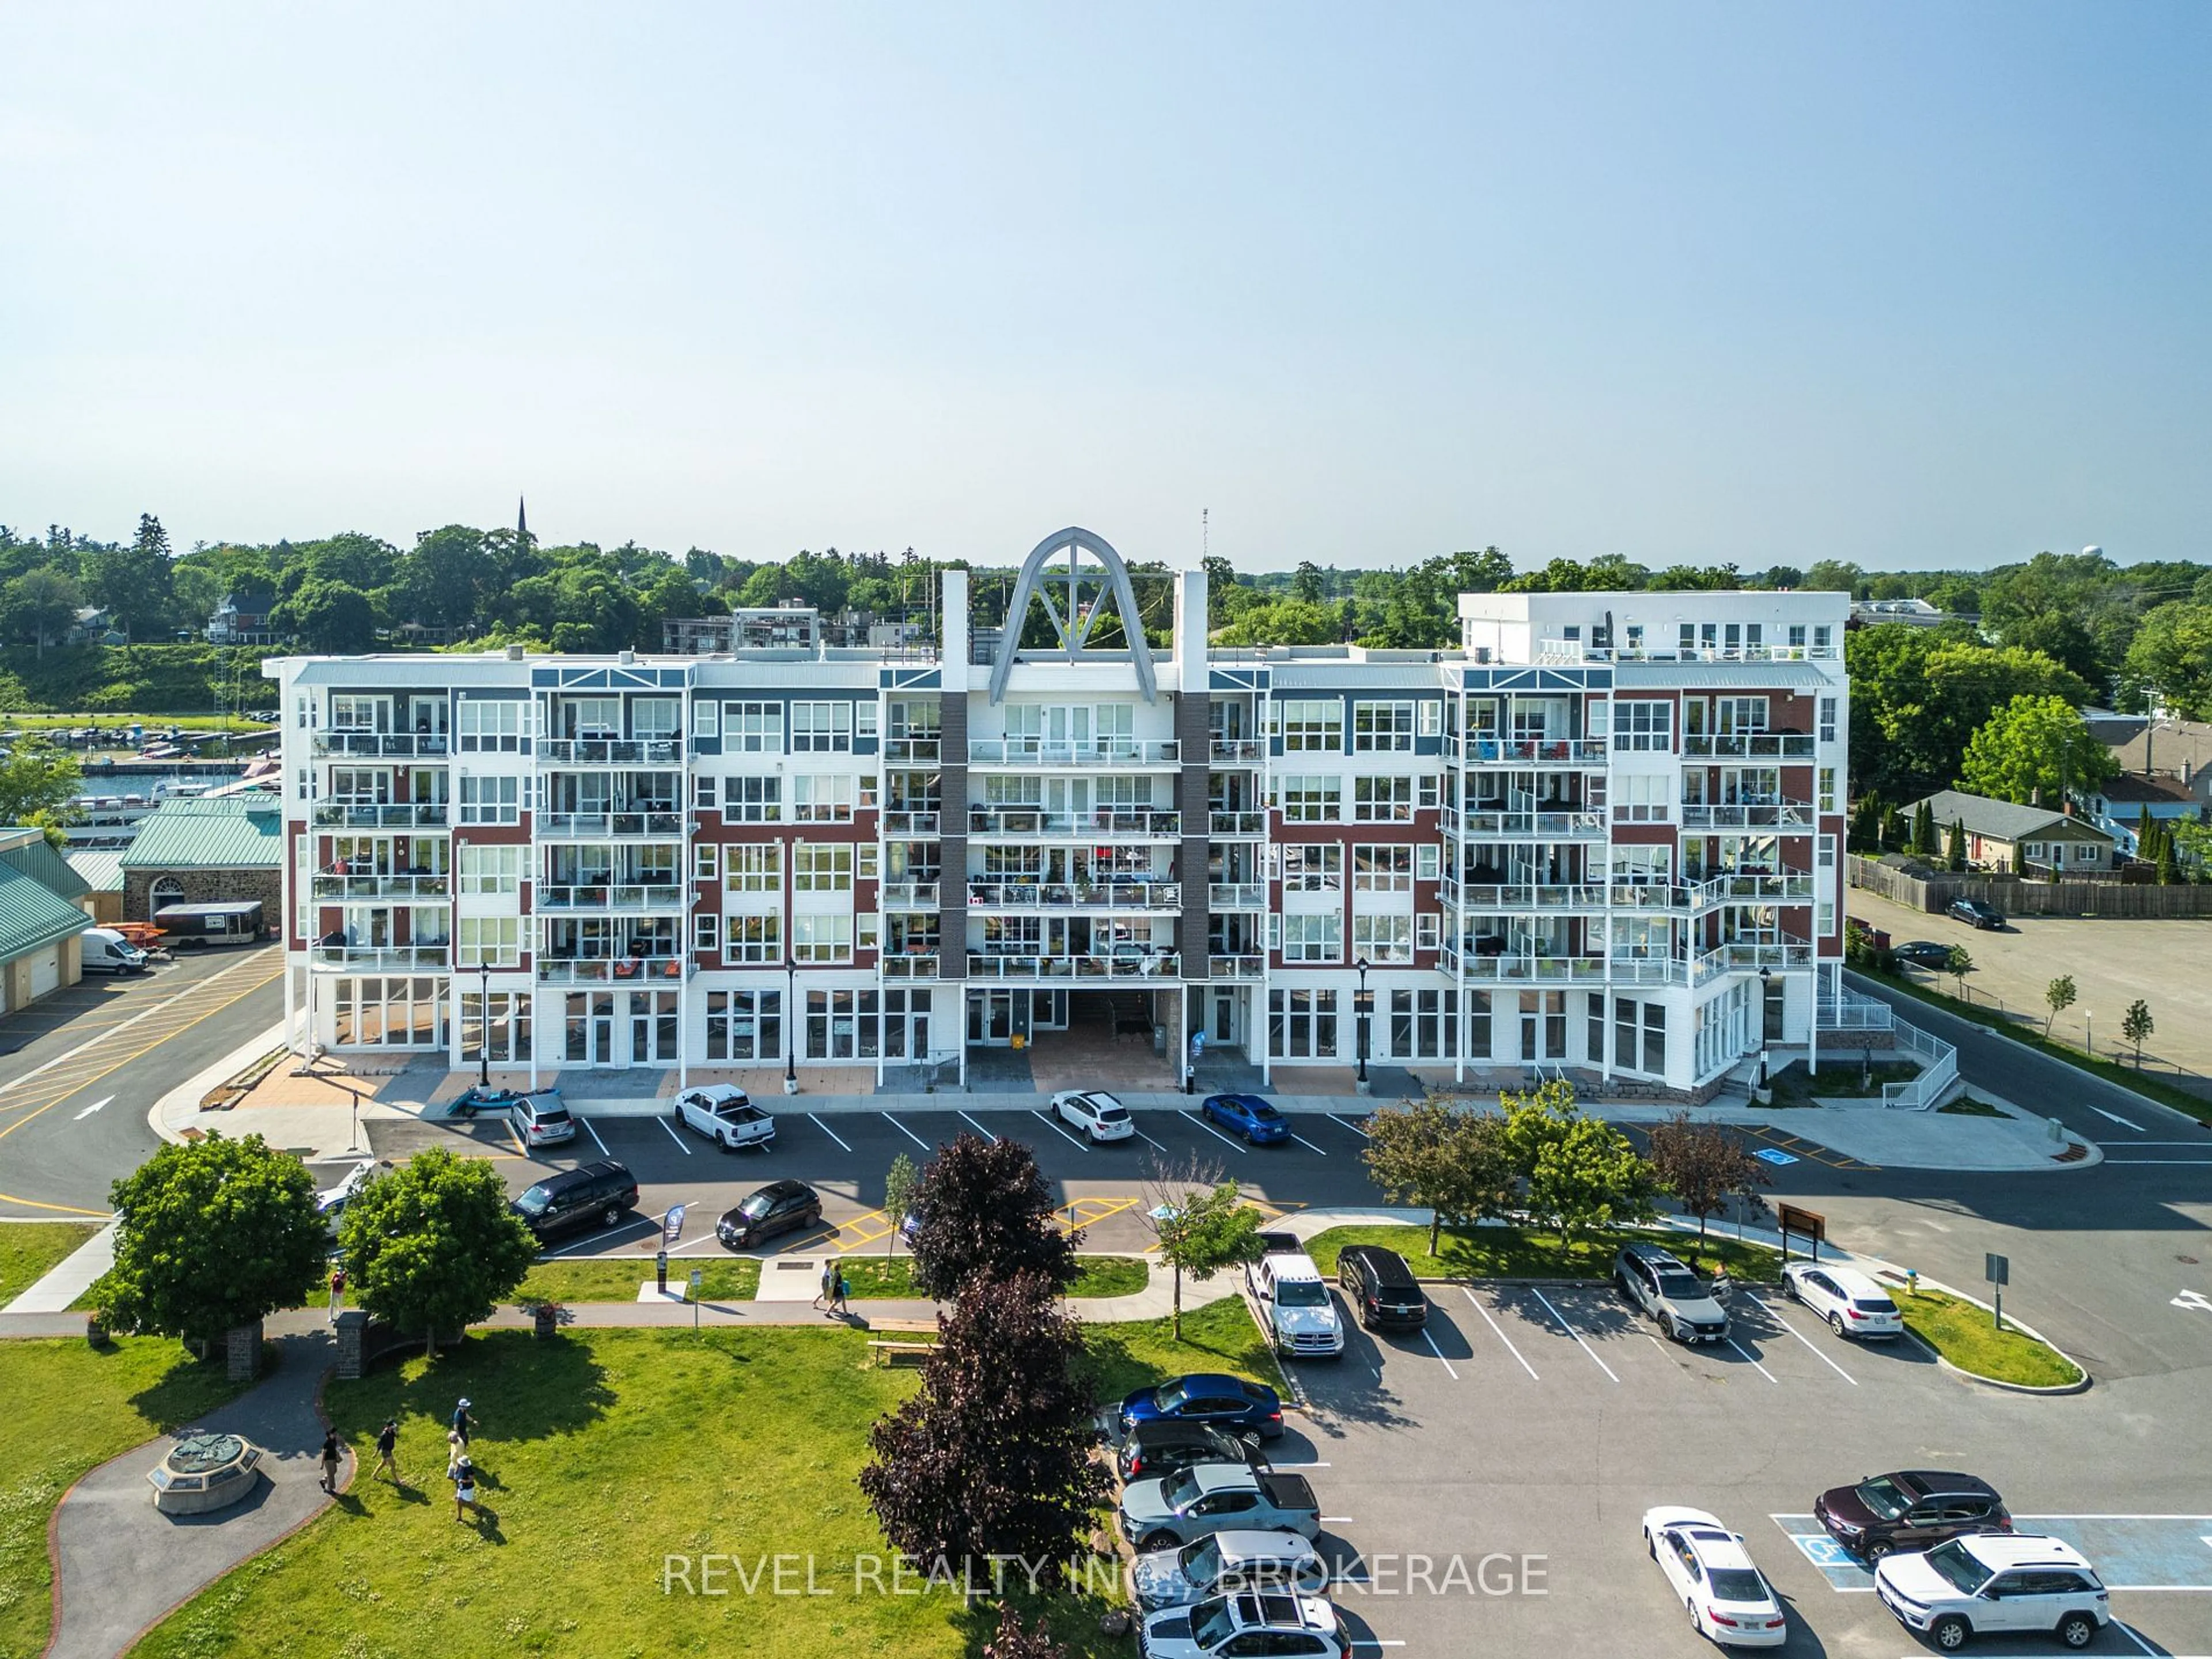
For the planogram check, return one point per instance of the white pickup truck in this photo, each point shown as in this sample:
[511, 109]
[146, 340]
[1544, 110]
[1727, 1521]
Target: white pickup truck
[725, 1116]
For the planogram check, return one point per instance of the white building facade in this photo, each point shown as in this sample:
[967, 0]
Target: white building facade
[1603, 837]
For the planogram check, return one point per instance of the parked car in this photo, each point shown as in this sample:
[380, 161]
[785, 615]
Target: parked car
[1248, 1115]
[1236, 1624]
[589, 1194]
[1095, 1112]
[1155, 1449]
[1677, 1301]
[106, 951]
[1924, 953]
[1295, 1308]
[725, 1116]
[1912, 1510]
[1379, 1284]
[1225, 1402]
[2010, 1583]
[1710, 1573]
[330, 1202]
[1975, 913]
[1853, 1303]
[782, 1206]
[1225, 1564]
[542, 1120]
[1209, 1498]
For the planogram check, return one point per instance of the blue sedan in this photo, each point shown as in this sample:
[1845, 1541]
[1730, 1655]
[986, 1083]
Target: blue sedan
[1250, 1116]
[1225, 1402]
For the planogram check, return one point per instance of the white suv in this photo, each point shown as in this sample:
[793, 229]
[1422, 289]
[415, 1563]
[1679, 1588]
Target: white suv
[1994, 1582]
[1247, 1623]
[1295, 1305]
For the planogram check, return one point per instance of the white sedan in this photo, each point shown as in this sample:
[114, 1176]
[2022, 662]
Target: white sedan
[1095, 1112]
[1853, 1303]
[1728, 1599]
[725, 1116]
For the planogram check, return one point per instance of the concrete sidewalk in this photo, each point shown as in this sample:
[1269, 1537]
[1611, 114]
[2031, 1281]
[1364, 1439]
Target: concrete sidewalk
[69, 1278]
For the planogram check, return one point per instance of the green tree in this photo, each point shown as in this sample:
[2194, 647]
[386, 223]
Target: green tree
[211, 1234]
[2035, 748]
[449, 579]
[332, 618]
[1923, 830]
[2171, 657]
[1896, 833]
[1308, 586]
[1220, 586]
[1453, 1163]
[1201, 1221]
[1704, 1165]
[1283, 621]
[2137, 1025]
[1959, 962]
[42, 603]
[902, 1184]
[2059, 635]
[1834, 576]
[2169, 864]
[1577, 1173]
[2058, 997]
[985, 1208]
[135, 583]
[39, 786]
[432, 1247]
[1955, 851]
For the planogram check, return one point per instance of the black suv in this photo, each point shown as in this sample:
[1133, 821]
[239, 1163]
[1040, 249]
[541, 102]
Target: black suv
[1380, 1285]
[778, 1207]
[590, 1195]
[1913, 1510]
[1155, 1451]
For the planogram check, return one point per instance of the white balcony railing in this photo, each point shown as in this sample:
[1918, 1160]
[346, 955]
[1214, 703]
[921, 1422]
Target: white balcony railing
[1156, 965]
[1749, 745]
[435, 954]
[658, 825]
[908, 896]
[1554, 652]
[1237, 751]
[911, 964]
[610, 895]
[609, 751]
[1098, 752]
[361, 885]
[1027, 823]
[1237, 825]
[1248, 966]
[1532, 895]
[1525, 826]
[1533, 752]
[1064, 895]
[1236, 895]
[382, 745]
[899, 823]
[912, 751]
[1753, 815]
[1750, 958]
[598, 970]
[380, 815]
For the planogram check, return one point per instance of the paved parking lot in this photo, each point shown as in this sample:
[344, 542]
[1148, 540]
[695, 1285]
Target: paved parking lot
[1540, 1421]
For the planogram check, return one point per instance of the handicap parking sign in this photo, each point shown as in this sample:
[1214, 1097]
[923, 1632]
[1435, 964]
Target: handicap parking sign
[1774, 1156]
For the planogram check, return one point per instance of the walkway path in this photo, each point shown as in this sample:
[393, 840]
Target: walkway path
[124, 1564]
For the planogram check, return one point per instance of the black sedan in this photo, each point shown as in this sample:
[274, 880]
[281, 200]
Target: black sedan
[782, 1206]
[1924, 953]
[1975, 913]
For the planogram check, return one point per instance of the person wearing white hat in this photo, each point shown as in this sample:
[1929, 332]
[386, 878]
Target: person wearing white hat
[462, 1421]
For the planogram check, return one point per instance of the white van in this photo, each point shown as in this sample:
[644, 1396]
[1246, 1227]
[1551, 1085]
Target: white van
[1295, 1305]
[106, 951]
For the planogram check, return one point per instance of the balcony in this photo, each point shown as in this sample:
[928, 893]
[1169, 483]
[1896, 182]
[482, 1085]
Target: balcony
[383, 959]
[608, 826]
[908, 896]
[1749, 815]
[1554, 653]
[609, 751]
[351, 885]
[1531, 896]
[380, 815]
[609, 896]
[1537, 752]
[1033, 823]
[1027, 895]
[1237, 896]
[912, 751]
[1749, 745]
[1236, 967]
[1524, 826]
[1237, 751]
[900, 824]
[919, 964]
[1161, 965]
[382, 745]
[600, 970]
[1099, 751]
[1789, 888]
[1750, 958]
[1237, 825]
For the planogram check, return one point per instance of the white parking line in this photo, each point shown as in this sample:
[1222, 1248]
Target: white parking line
[1350, 1125]
[977, 1128]
[1502, 1337]
[673, 1136]
[1763, 1371]
[826, 1130]
[594, 1134]
[1194, 1118]
[1273, 1465]
[1147, 1138]
[1307, 1144]
[1761, 1304]
[1052, 1124]
[601, 1238]
[2164, 1163]
[1572, 1332]
[1439, 1353]
[903, 1130]
[1336, 1519]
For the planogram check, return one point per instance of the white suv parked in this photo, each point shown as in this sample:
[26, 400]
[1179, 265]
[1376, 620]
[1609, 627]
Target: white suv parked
[1295, 1305]
[1994, 1582]
[1853, 1303]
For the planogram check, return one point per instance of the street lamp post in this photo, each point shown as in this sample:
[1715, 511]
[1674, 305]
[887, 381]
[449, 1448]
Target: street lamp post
[483, 1025]
[791, 1027]
[1765, 982]
[1360, 1007]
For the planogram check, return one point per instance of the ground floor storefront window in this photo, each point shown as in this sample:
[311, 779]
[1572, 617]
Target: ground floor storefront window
[389, 1013]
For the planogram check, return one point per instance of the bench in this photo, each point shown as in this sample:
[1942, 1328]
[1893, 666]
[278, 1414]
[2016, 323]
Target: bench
[894, 1353]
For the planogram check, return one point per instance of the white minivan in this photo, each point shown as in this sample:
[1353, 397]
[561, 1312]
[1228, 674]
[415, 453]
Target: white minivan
[106, 951]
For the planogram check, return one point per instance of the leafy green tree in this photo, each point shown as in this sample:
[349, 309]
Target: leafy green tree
[1834, 576]
[1923, 830]
[1308, 586]
[449, 579]
[1704, 1165]
[1201, 1221]
[41, 602]
[2171, 657]
[2058, 997]
[1283, 621]
[902, 1184]
[1577, 1173]
[329, 616]
[2136, 1026]
[1919, 695]
[1959, 962]
[2060, 636]
[211, 1234]
[1453, 1163]
[985, 1208]
[2169, 863]
[39, 786]
[432, 1247]
[135, 583]
[2035, 748]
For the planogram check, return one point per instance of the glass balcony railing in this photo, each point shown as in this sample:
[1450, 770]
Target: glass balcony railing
[598, 970]
[1247, 966]
[1237, 751]
[336, 884]
[912, 751]
[382, 745]
[609, 751]
[1749, 745]
[609, 896]
[910, 964]
[1026, 895]
[1013, 822]
[1097, 751]
[1155, 965]
[908, 896]
[901, 821]
[406, 958]
[1751, 815]
[1532, 751]
[1237, 824]
[380, 815]
[1236, 895]
[1523, 826]
[1750, 958]
[658, 825]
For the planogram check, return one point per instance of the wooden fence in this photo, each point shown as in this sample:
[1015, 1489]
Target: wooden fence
[2018, 896]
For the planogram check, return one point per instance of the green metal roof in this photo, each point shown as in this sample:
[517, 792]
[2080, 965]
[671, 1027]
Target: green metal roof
[100, 868]
[217, 833]
[47, 867]
[32, 914]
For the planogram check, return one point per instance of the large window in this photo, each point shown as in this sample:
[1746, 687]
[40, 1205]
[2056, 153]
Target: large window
[490, 869]
[1311, 799]
[1425, 1024]
[752, 728]
[491, 941]
[822, 938]
[492, 727]
[754, 868]
[744, 1024]
[1642, 799]
[822, 798]
[350, 713]
[1302, 1024]
[491, 800]
[822, 867]
[390, 1013]
[1313, 938]
[1314, 868]
[841, 1024]
[821, 728]
[752, 800]
[1644, 725]
[655, 719]
[1639, 1036]
[1379, 728]
[1382, 869]
[1383, 800]
[509, 1027]
[753, 938]
[1315, 726]
[1382, 938]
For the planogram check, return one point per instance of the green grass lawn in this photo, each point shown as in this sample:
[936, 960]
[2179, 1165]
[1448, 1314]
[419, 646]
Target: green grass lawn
[1532, 1252]
[615, 1279]
[891, 1279]
[1217, 1337]
[1839, 1079]
[1966, 1336]
[28, 1250]
[70, 1407]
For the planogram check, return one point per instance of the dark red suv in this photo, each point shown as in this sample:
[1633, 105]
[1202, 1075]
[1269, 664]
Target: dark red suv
[1913, 1510]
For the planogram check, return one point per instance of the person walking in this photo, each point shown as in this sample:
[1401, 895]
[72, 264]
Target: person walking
[332, 1454]
[387, 1450]
[829, 1284]
[462, 1421]
[337, 1292]
[844, 1289]
[464, 1488]
[456, 1453]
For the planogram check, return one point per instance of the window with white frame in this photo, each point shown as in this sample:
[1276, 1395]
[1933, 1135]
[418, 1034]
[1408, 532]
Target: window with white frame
[703, 791]
[821, 728]
[863, 720]
[1383, 800]
[1428, 789]
[358, 713]
[744, 1024]
[1313, 938]
[1382, 728]
[822, 866]
[752, 728]
[1828, 789]
[489, 941]
[1310, 799]
[752, 939]
[1828, 720]
[1820, 638]
[754, 868]
[1379, 936]
[707, 862]
[752, 800]
[1382, 869]
[1641, 800]
[655, 719]
[706, 718]
[1428, 857]
[489, 727]
[491, 800]
[822, 798]
[1427, 931]
[489, 869]
[1312, 868]
[864, 860]
[1643, 724]
[1312, 726]
[1430, 712]
[822, 938]
[706, 933]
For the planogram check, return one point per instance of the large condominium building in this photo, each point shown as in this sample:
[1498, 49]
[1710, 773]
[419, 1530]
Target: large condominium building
[1601, 835]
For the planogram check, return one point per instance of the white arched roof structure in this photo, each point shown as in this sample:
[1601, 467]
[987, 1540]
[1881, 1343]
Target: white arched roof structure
[1073, 620]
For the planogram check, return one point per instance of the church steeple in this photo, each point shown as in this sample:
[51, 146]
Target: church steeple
[521, 519]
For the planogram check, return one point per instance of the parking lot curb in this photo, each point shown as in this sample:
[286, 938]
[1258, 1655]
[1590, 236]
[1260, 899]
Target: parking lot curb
[2080, 1385]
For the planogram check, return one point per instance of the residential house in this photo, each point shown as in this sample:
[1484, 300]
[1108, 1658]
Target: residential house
[2011, 839]
[242, 618]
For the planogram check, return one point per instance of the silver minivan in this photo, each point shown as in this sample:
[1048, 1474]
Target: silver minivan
[1225, 1562]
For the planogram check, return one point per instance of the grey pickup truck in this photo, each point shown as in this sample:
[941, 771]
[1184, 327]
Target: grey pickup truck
[1209, 1498]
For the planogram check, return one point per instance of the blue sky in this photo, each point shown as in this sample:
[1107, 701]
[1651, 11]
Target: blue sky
[1910, 285]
